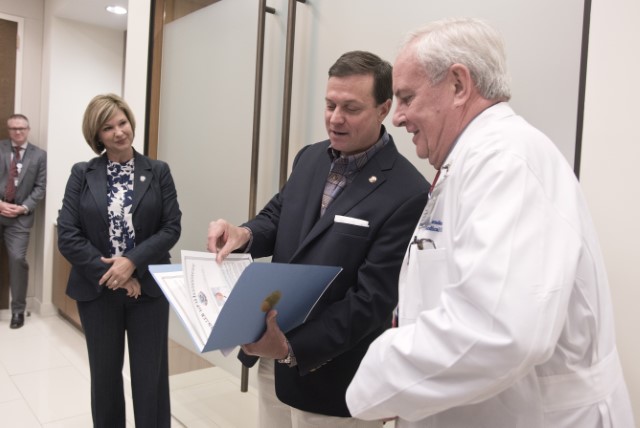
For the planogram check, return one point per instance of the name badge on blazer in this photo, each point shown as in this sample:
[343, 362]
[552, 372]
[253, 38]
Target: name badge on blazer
[351, 220]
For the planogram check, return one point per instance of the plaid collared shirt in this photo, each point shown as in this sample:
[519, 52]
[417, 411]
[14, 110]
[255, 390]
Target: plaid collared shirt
[345, 168]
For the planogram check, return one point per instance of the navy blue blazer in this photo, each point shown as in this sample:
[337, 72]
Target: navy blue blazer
[390, 194]
[83, 228]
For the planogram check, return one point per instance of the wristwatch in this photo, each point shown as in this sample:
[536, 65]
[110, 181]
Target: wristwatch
[290, 359]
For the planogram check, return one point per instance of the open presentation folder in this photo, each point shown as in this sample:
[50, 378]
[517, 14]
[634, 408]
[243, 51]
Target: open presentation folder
[224, 305]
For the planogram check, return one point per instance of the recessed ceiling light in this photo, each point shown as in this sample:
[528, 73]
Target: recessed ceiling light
[118, 10]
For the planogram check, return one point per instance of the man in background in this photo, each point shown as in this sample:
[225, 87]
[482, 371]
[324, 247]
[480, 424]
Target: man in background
[350, 201]
[23, 179]
[505, 317]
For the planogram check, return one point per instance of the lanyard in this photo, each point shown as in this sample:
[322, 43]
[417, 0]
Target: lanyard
[435, 180]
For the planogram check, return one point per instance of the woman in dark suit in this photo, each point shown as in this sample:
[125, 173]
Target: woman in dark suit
[120, 214]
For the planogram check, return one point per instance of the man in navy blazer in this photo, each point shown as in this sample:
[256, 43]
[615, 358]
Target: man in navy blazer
[18, 201]
[351, 201]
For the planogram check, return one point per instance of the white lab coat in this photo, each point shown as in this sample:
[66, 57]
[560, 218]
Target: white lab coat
[505, 318]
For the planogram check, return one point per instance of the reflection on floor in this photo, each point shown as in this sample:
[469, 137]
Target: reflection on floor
[44, 382]
[212, 398]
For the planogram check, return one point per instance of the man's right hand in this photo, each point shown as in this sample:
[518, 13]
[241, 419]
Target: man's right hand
[223, 238]
[10, 210]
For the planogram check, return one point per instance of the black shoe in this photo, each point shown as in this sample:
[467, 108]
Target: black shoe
[17, 320]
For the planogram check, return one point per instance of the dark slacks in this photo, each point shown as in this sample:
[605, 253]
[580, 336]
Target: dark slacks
[146, 322]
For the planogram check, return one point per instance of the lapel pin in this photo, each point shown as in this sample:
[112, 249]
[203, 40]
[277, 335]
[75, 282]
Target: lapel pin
[373, 179]
[143, 178]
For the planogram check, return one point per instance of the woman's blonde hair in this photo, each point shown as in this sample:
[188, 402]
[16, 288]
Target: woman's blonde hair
[100, 109]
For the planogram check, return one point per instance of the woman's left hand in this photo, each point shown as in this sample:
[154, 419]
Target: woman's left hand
[118, 274]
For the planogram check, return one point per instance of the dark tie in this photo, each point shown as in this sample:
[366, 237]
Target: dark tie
[10, 190]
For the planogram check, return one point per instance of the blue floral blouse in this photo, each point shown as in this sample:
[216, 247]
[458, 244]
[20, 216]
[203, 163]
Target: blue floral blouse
[119, 204]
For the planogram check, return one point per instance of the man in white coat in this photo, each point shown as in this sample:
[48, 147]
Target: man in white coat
[505, 318]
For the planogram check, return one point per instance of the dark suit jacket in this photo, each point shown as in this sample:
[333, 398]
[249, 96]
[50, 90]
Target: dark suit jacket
[32, 180]
[390, 194]
[83, 228]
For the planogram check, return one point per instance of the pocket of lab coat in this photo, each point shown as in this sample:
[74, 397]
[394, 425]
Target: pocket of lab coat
[426, 275]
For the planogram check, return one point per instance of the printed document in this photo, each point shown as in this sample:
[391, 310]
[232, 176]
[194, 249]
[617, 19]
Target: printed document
[224, 305]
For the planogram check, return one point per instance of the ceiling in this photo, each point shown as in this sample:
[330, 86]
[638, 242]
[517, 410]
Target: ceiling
[92, 12]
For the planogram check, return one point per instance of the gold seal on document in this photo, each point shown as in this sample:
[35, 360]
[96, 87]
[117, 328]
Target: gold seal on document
[270, 301]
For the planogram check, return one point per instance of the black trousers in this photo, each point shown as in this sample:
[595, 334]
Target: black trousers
[146, 323]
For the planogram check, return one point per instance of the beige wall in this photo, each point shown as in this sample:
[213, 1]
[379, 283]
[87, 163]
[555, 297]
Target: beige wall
[81, 61]
[610, 174]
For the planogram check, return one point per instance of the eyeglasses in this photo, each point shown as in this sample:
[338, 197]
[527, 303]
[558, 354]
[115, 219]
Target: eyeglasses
[17, 129]
[420, 244]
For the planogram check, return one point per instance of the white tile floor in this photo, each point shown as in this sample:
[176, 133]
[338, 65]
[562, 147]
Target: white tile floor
[44, 382]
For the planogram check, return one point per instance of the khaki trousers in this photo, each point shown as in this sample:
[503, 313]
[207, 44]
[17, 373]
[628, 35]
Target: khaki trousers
[272, 413]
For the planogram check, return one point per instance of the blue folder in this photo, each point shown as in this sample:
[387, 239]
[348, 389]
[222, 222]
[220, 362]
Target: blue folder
[242, 318]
